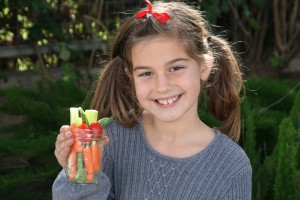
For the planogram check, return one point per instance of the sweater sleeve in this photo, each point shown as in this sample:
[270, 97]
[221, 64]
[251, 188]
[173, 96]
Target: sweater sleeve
[108, 167]
[63, 189]
[240, 186]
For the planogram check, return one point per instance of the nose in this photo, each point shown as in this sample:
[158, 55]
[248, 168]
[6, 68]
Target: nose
[162, 83]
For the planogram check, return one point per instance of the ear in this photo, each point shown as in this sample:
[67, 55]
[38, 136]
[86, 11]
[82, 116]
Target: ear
[128, 73]
[206, 68]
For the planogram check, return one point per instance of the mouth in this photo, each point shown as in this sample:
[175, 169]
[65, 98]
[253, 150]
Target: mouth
[168, 101]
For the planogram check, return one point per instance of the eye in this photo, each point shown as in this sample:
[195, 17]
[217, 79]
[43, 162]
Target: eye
[176, 68]
[145, 74]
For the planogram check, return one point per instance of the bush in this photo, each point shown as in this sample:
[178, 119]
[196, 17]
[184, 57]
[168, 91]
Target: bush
[287, 179]
[28, 165]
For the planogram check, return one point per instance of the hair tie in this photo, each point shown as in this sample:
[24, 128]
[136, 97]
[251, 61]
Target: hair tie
[161, 17]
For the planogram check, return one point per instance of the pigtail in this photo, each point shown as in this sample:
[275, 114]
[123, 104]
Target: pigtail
[113, 97]
[223, 87]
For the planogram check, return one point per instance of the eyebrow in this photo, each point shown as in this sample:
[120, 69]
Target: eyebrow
[168, 63]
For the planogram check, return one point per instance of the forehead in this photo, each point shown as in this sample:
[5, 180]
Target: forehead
[157, 49]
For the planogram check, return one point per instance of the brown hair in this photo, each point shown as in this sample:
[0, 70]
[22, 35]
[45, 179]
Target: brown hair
[115, 93]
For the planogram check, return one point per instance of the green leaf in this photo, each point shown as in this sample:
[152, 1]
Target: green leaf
[254, 24]
[276, 62]
[83, 116]
[64, 54]
[246, 11]
[105, 121]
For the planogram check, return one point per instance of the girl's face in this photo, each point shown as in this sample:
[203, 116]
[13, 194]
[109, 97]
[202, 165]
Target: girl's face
[167, 80]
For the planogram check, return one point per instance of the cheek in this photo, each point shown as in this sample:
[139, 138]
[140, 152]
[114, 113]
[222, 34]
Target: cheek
[195, 86]
[192, 79]
[192, 85]
[140, 90]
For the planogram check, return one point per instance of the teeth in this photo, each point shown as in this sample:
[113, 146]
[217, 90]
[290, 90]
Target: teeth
[168, 101]
[164, 102]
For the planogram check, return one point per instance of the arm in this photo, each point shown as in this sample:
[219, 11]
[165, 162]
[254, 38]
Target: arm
[240, 186]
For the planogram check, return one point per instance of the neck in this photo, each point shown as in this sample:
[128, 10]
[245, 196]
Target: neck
[179, 139]
[175, 130]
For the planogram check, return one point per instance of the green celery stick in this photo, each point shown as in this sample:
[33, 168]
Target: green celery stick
[81, 174]
[74, 115]
[79, 121]
[91, 115]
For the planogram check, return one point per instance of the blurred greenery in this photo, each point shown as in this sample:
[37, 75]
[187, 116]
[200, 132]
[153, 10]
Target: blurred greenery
[27, 156]
[27, 159]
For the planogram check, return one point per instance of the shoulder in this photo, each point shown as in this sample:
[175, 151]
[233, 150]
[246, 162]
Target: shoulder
[116, 132]
[232, 155]
[123, 141]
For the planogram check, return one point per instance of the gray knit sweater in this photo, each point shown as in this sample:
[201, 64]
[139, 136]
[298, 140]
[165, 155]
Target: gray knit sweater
[132, 170]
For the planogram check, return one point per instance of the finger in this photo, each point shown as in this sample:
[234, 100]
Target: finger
[64, 128]
[106, 140]
[64, 140]
[62, 155]
[67, 142]
[65, 135]
[62, 145]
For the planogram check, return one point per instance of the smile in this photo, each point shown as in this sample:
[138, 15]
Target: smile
[167, 101]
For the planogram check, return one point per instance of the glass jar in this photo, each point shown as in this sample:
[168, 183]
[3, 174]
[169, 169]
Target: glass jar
[85, 158]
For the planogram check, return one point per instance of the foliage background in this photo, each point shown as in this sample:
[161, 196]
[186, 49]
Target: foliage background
[64, 41]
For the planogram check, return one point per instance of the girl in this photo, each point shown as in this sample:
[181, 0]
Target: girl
[159, 148]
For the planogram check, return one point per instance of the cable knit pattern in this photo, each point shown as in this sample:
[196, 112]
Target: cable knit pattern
[137, 172]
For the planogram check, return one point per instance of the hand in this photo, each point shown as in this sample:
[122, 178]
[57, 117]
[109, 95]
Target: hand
[63, 145]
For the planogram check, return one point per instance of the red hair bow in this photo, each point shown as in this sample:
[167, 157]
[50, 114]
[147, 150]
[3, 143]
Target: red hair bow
[161, 17]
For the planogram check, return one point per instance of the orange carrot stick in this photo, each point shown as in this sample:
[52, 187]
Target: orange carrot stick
[73, 125]
[88, 160]
[96, 156]
[89, 177]
[78, 146]
[75, 132]
[72, 162]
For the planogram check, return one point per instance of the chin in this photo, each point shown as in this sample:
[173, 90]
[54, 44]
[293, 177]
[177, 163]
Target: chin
[168, 118]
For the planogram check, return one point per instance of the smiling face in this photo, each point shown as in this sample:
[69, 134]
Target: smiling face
[166, 79]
